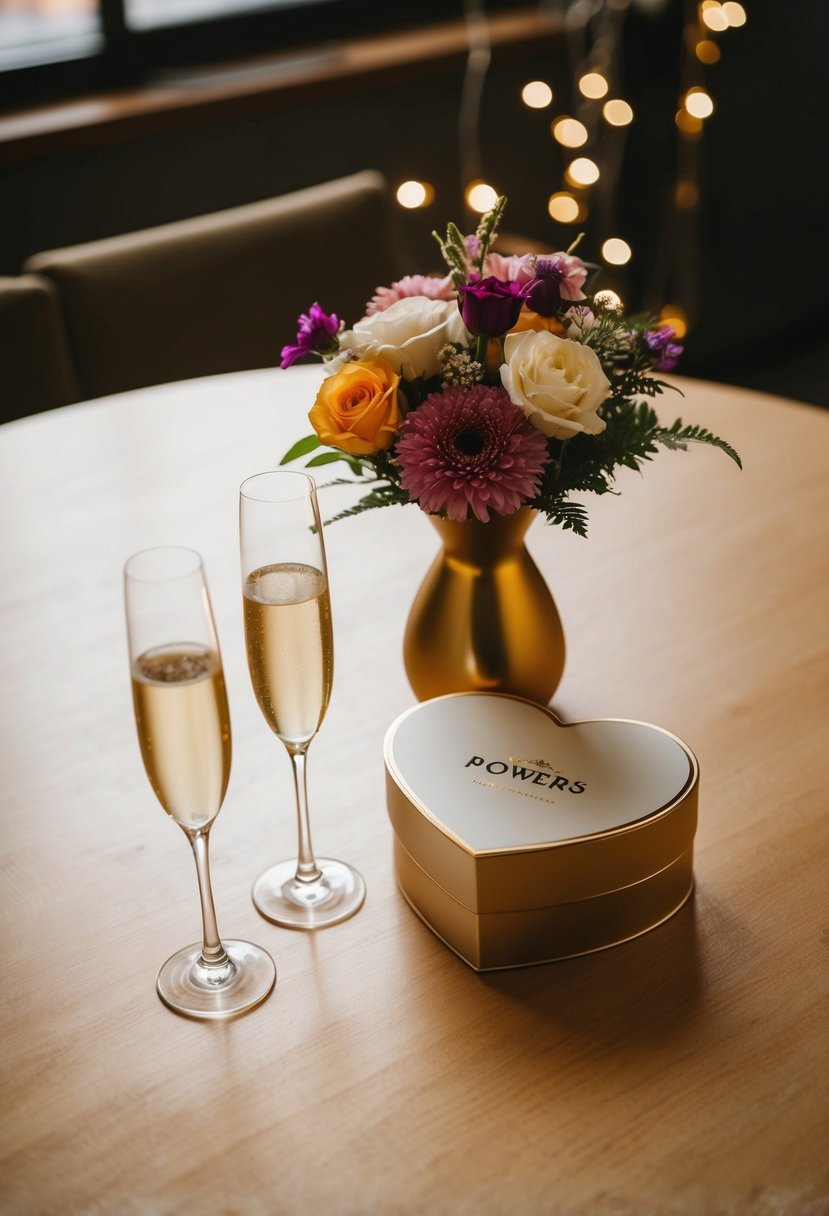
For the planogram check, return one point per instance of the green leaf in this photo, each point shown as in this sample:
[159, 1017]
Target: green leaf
[301, 448]
[326, 458]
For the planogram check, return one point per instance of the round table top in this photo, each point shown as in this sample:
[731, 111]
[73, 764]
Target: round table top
[683, 1072]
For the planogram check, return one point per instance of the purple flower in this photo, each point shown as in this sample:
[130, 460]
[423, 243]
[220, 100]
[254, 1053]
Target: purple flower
[558, 278]
[316, 335]
[491, 306]
[469, 451]
[472, 245]
[664, 351]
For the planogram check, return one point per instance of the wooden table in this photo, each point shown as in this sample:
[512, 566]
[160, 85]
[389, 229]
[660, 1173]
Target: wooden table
[685, 1072]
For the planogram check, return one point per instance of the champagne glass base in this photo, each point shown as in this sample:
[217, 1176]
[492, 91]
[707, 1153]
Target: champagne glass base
[188, 987]
[286, 900]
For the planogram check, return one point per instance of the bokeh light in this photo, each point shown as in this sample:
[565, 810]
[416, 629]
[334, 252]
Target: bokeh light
[690, 127]
[617, 112]
[698, 103]
[569, 132]
[707, 51]
[537, 94]
[413, 194]
[712, 15]
[616, 252]
[582, 172]
[673, 315]
[593, 85]
[734, 13]
[480, 196]
[564, 208]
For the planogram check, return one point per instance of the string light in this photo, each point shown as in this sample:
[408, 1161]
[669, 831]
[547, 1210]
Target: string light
[616, 252]
[481, 197]
[735, 14]
[593, 85]
[707, 51]
[698, 103]
[414, 194]
[712, 15]
[537, 94]
[617, 112]
[582, 172]
[569, 132]
[564, 208]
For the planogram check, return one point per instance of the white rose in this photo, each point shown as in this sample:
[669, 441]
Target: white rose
[409, 334]
[558, 383]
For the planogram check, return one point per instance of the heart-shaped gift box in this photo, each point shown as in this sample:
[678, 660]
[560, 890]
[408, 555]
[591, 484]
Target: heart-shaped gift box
[520, 839]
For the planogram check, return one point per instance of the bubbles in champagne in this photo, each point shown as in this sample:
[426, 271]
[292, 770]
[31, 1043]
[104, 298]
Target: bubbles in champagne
[177, 666]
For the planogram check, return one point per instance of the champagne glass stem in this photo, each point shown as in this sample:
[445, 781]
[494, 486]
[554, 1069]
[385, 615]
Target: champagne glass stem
[307, 869]
[213, 953]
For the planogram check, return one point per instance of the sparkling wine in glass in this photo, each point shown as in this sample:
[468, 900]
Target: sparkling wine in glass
[290, 649]
[184, 733]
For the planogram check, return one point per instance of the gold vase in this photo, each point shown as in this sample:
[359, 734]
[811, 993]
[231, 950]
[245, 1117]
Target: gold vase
[484, 620]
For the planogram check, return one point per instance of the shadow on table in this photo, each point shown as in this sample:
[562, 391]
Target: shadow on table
[627, 996]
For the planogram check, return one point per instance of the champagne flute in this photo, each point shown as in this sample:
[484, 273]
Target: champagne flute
[184, 733]
[289, 637]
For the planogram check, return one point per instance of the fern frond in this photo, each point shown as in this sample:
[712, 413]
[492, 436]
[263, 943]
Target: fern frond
[677, 437]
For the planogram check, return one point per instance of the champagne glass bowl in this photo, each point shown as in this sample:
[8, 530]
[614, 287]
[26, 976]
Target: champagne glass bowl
[183, 723]
[290, 652]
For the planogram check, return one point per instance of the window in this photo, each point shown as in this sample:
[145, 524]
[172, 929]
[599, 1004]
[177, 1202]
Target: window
[52, 48]
[48, 31]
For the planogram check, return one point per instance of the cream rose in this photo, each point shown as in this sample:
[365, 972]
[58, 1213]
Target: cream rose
[558, 383]
[408, 334]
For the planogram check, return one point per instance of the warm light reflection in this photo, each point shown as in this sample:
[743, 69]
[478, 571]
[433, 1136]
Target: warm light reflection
[569, 132]
[593, 85]
[617, 112]
[536, 94]
[413, 194]
[582, 172]
[616, 252]
[676, 317]
[480, 196]
[698, 103]
[564, 208]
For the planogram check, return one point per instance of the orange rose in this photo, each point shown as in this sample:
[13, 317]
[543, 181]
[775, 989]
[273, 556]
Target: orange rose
[356, 409]
[533, 320]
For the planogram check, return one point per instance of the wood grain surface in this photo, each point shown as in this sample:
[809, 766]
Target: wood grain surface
[685, 1072]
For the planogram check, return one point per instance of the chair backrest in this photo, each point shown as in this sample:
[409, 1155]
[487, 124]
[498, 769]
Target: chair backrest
[220, 292]
[36, 370]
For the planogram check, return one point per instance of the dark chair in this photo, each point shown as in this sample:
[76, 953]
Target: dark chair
[220, 292]
[36, 370]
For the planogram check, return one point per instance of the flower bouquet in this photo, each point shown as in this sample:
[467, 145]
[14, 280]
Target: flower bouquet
[505, 383]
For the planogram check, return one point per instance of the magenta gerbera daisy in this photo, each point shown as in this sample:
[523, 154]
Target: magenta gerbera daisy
[470, 450]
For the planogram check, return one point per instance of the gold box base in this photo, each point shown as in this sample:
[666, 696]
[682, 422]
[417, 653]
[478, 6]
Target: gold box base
[499, 940]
